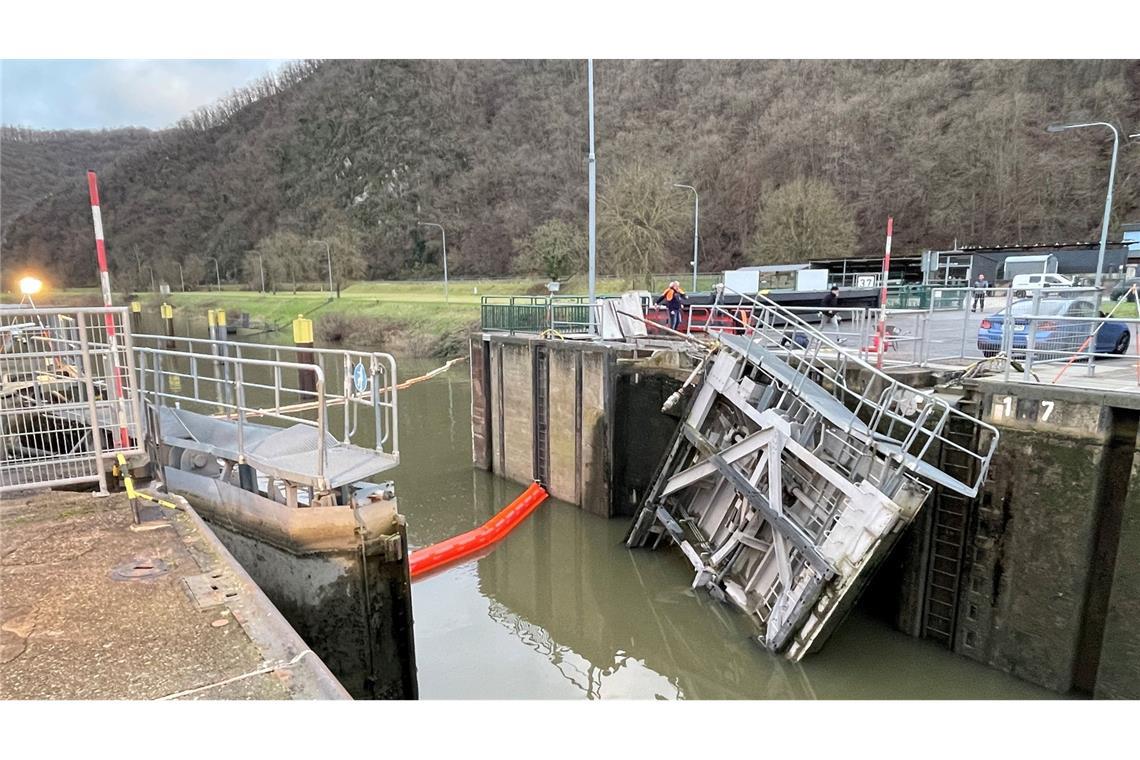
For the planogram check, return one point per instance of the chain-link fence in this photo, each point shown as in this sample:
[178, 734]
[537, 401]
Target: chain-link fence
[68, 395]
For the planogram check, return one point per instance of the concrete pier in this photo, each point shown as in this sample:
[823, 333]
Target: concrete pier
[557, 411]
[95, 607]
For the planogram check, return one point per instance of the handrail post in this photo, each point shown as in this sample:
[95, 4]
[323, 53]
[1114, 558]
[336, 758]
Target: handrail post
[322, 424]
[92, 409]
[239, 375]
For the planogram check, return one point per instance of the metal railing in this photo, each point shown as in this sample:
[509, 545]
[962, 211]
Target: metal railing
[267, 383]
[535, 314]
[895, 412]
[68, 395]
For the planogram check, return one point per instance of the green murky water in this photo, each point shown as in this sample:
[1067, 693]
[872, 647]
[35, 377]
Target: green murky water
[561, 609]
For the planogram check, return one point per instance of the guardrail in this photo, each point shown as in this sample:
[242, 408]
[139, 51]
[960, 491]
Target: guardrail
[68, 395]
[356, 381]
[890, 408]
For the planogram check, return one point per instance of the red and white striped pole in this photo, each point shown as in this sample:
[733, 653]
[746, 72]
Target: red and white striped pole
[105, 284]
[883, 295]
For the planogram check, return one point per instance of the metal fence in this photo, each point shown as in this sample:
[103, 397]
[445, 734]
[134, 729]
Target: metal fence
[915, 424]
[68, 395]
[566, 315]
[333, 390]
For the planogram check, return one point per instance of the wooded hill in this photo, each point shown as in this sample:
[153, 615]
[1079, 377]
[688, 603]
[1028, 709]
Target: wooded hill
[357, 151]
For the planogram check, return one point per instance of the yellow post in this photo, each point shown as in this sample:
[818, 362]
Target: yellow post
[303, 338]
[136, 315]
[167, 312]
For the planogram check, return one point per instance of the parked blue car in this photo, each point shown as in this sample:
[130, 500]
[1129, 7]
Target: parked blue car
[1053, 339]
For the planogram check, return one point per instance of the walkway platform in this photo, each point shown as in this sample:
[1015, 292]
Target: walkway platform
[95, 607]
[287, 453]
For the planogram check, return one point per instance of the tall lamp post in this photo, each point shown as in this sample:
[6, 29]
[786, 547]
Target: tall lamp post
[1111, 179]
[442, 232]
[217, 272]
[328, 256]
[591, 163]
[696, 227]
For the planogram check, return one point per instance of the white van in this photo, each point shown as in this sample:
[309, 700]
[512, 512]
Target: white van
[1023, 282]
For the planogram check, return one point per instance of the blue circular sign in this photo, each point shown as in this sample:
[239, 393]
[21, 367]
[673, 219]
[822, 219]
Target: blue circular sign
[360, 377]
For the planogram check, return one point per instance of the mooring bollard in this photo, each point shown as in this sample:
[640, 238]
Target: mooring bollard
[303, 338]
[167, 312]
[136, 317]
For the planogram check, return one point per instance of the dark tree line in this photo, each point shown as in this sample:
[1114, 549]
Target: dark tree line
[494, 149]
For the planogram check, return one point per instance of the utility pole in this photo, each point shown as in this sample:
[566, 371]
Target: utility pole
[593, 199]
[696, 227]
[217, 273]
[261, 266]
[328, 255]
[1111, 180]
[442, 232]
[181, 279]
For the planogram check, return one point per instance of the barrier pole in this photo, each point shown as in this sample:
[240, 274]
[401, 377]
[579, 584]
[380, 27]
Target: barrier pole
[108, 318]
[883, 294]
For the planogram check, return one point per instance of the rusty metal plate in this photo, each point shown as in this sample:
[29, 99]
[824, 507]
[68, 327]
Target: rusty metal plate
[140, 569]
[211, 589]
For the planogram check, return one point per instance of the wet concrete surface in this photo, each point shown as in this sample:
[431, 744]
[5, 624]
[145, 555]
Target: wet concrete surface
[71, 627]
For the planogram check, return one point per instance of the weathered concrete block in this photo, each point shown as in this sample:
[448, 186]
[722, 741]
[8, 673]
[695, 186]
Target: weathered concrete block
[562, 433]
[595, 434]
[1030, 560]
[1118, 675]
[518, 410]
[481, 428]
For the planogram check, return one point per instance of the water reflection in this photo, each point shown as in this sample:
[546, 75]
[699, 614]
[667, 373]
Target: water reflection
[561, 609]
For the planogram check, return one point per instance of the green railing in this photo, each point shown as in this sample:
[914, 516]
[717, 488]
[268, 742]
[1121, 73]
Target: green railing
[908, 297]
[535, 314]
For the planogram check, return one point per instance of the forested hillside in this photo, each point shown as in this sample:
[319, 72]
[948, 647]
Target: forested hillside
[790, 159]
[34, 163]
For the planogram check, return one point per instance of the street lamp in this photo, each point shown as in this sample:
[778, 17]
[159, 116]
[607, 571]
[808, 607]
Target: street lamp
[328, 255]
[30, 286]
[696, 227]
[1111, 179]
[442, 232]
[592, 173]
[217, 272]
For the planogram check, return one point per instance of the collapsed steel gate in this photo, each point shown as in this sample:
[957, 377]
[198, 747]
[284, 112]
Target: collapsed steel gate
[68, 395]
[785, 484]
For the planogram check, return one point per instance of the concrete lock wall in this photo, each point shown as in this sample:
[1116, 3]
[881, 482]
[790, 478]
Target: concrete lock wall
[1048, 584]
[1118, 674]
[575, 400]
[1050, 592]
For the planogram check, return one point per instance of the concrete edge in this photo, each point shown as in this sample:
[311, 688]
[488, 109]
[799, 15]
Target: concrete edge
[266, 626]
[1040, 391]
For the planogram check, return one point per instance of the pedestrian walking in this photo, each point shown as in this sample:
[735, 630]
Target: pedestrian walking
[674, 299]
[980, 286]
[829, 315]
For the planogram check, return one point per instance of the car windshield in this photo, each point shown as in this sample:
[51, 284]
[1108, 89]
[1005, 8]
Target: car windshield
[1045, 308]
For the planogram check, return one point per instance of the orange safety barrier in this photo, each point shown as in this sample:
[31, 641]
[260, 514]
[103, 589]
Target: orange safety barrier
[445, 552]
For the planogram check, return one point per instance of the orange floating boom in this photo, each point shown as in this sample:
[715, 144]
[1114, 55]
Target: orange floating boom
[465, 544]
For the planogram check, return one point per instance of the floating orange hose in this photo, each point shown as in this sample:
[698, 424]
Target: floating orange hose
[465, 544]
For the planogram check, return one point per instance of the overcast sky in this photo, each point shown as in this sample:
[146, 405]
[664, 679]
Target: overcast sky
[105, 94]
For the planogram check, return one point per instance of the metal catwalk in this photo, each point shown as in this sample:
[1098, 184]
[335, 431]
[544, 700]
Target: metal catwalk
[795, 470]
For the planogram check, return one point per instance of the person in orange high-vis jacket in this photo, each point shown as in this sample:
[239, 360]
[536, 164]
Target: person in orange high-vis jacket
[673, 298]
